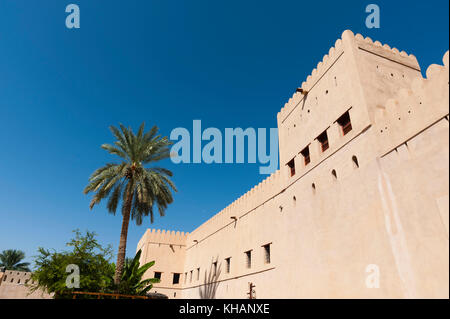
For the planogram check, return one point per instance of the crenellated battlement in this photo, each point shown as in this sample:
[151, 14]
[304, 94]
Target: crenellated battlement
[347, 41]
[17, 277]
[256, 196]
[316, 74]
[421, 105]
[16, 285]
[385, 49]
[163, 237]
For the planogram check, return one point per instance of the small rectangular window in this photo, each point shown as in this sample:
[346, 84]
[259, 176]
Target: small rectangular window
[158, 275]
[215, 268]
[185, 277]
[305, 154]
[176, 279]
[291, 166]
[248, 256]
[198, 274]
[267, 253]
[345, 123]
[190, 279]
[227, 264]
[323, 140]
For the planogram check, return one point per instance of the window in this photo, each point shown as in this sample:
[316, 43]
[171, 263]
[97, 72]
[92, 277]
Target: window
[198, 274]
[157, 275]
[333, 172]
[185, 277]
[176, 279]
[355, 161]
[215, 268]
[291, 166]
[227, 264]
[248, 255]
[345, 123]
[305, 154]
[267, 253]
[190, 278]
[323, 140]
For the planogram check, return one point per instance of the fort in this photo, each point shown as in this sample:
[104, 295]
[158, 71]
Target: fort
[363, 181]
[16, 285]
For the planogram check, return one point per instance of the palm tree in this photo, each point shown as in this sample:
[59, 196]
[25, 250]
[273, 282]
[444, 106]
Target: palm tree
[11, 260]
[138, 188]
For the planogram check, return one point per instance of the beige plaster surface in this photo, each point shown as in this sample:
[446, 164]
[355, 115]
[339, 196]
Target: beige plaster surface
[389, 212]
[15, 285]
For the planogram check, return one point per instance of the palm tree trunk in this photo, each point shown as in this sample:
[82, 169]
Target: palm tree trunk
[123, 240]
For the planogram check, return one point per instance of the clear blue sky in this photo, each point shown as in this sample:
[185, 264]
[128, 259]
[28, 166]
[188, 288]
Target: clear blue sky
[228, 63]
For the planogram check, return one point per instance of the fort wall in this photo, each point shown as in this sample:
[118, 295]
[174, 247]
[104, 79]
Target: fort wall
[376, 197]
[168, 249]
[15, 285]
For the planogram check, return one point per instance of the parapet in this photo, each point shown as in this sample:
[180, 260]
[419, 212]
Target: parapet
[414, 108]
[347, 40]
[16, 277]
[384, 50]
[262, 192]
[259, 194]
[167, 237]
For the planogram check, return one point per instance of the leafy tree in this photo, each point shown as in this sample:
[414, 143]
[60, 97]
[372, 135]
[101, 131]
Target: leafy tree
[138, 188]
[93, 260]
[131, 282]
[11, 260]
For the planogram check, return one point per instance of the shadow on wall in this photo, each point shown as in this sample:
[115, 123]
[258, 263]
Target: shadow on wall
[209, 288]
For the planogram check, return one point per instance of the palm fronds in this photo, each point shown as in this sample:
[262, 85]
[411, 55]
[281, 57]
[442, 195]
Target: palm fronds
[128, 183]
[11, 260]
